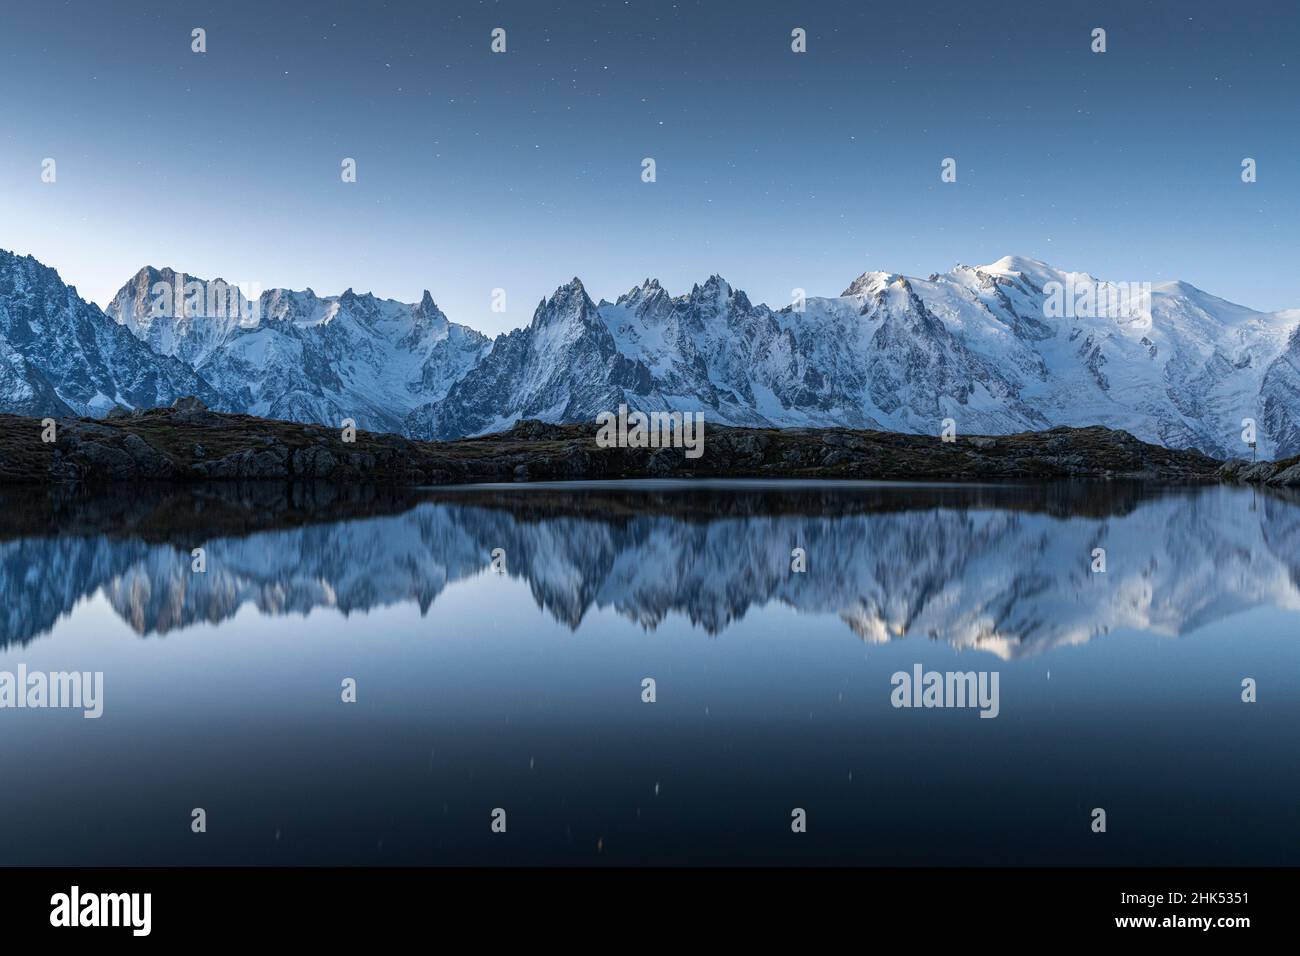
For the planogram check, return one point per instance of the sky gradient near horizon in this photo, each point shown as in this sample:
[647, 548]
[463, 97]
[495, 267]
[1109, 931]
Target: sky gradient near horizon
[777, 170]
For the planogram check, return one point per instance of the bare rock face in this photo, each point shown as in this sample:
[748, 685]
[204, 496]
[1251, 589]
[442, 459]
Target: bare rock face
[313, 463]
[250, 464]
[192, 411]
[112, 463]
[149, 462]
[1278, 474]
[189, 403]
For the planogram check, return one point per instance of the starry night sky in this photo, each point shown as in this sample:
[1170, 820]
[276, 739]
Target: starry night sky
[775, 169]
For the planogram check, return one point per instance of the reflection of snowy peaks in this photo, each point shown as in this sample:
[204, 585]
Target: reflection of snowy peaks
[1010, 582]
[1011, 346]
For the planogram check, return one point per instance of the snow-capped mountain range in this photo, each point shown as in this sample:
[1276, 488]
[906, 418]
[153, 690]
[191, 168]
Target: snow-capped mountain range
[309, 358]
[986, 346]
[61, 355]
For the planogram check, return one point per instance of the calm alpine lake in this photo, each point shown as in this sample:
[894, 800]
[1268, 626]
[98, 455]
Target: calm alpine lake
[500, 640]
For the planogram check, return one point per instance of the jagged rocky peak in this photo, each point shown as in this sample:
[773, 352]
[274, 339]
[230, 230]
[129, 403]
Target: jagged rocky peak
[568, 303]
[286, 305]
[9, 260]
[647, 290]
[715, 298]
[21, 276]
[165, 296]
[351, 299]
[714, 286]
[427, 315]
[143, 283]
[572, 291]
[870, 283]
[144, 280]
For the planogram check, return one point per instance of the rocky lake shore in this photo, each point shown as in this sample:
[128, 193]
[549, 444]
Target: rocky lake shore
[188, 442]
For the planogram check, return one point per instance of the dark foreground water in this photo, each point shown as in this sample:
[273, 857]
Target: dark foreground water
[522, 690]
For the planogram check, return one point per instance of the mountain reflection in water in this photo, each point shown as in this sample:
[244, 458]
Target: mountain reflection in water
[523, 690]
[1002, 569]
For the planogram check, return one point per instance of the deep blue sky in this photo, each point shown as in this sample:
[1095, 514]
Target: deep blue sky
[775, 169]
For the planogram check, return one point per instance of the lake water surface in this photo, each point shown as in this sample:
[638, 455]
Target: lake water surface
[523, 690]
